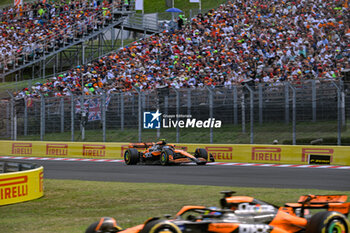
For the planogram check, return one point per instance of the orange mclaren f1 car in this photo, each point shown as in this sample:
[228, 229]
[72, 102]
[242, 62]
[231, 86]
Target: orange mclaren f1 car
[164, 154]
[243, 214]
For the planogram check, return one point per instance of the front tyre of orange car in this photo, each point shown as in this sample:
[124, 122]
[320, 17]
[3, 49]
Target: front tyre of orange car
[164, 158]
[160, 226]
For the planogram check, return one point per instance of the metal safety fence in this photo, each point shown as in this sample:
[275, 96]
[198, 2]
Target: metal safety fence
[247, 114]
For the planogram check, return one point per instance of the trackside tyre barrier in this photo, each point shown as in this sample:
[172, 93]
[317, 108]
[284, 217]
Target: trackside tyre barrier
[20, 182]
[240, 153]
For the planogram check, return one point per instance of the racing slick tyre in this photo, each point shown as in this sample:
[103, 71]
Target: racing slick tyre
[328, 221]
[105, 225]
[131, 156]
[201, 153]
[160, 225]
[164, 157]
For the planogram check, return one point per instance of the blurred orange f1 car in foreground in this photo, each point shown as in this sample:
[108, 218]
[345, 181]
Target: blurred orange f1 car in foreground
[164, 154]
[243, 214]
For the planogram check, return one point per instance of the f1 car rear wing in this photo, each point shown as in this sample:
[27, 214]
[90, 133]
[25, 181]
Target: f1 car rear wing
[141, 145]
[322, 199]
[145, 145]
[329, 202]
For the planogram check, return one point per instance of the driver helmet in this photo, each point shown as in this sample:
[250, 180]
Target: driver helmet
[213, 210]
[161, 142]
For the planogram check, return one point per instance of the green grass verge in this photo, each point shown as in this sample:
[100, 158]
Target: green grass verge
[71, 206]
[263, 134]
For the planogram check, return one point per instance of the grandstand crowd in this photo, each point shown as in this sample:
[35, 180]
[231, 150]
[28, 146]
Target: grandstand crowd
[29, 30]
[266, 41]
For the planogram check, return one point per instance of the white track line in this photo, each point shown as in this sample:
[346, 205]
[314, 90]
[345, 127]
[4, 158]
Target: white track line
[212, 164]
[64, 159]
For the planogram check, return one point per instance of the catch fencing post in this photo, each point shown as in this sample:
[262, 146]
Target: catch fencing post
[314, 101]
[15, 124]
[139, 113]
[62, 113]
[341, 83]
[166, 104]
[83, 53]
[121, 111]
[103, 104]
[294, 111]
[8, 116]
[210, 112]
[133, 104]
[143, 101]
[286, 95]
[72, 110]
[44, 66]
[82, 110]
[25, 116]
[140, 116]
[251, 113]
[158, 108]
[339, 100]
[42, 116]
[260, 104]
[235, 106]
[243, 112]
[12, 115]
[177, 114]
[83, 115]
[189, 102]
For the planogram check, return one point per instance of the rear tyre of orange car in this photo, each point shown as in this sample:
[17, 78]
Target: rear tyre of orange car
[131, 156]
[328, 221]
[201, 153]
[164, 157]
[160, 225]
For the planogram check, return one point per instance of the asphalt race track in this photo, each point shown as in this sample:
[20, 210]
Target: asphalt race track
[273, 177]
